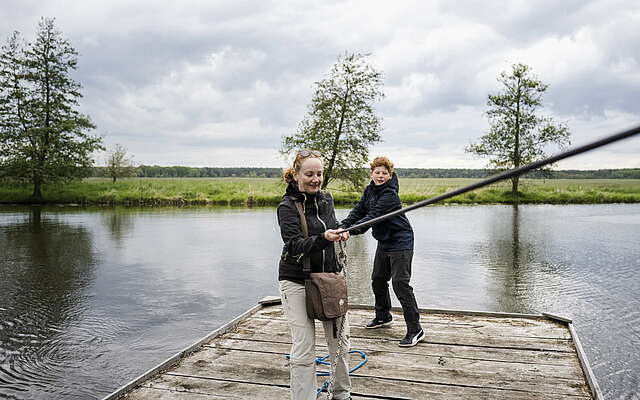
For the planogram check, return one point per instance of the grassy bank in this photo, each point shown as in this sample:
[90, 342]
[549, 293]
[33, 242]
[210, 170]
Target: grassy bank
[268, 191]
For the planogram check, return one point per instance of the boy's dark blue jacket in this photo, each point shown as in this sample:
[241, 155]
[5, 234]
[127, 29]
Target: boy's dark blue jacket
[394, 234]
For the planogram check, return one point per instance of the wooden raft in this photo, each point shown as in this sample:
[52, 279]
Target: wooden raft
[465, 355]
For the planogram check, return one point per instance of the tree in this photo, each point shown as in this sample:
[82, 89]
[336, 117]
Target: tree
[517, 135]
[118, 164]
[43, 138]
[341, 122]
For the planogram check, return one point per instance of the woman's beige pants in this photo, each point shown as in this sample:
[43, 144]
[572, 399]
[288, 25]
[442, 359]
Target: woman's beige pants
[303, 334]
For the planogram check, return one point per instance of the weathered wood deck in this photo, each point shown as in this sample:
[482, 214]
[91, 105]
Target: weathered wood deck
[465, 355]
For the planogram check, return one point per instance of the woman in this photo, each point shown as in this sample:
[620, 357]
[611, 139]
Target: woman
[304, 180]
[394, 251]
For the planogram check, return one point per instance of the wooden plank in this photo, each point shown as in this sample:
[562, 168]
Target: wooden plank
[453, 317]
[513, 328]
[270, 301]
[455, 312]
[167, 386]
[557, 318]
[443, 322]
[196, 386]
[506, 342]
[374, 346]
[146, 393]
[485, 326]
[591, 378]
[571, 369]
[273, 369]
[259, 327]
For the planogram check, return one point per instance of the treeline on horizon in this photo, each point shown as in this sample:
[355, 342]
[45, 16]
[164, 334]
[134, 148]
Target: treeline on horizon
[155, 171]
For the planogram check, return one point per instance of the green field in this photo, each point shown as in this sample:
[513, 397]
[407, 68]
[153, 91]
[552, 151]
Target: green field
[268, 191]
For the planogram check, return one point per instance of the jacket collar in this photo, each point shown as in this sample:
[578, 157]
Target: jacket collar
[295, 194]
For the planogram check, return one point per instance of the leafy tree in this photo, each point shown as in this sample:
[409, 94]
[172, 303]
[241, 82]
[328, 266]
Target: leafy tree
[341, 122]
[42, 137]
[118, 164]
[517, 135]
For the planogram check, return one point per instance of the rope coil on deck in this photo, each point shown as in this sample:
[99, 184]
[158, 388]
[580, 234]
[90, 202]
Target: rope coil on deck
[323, 361]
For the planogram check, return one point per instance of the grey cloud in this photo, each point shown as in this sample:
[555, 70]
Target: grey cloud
[189, 75]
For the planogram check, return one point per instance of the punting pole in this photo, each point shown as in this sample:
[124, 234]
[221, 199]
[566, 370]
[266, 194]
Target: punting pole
[501, 176]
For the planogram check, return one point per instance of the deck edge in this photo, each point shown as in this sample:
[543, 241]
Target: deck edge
[456, 312]
[557, 318]
[584, 363]
[188, 350]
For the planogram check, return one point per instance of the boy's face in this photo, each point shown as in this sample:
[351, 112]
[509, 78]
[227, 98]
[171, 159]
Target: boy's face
[380, 175]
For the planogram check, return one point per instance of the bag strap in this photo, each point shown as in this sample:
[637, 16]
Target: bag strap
[306, 263]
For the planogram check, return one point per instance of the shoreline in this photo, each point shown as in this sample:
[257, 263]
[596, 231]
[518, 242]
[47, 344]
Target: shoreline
[267, 192]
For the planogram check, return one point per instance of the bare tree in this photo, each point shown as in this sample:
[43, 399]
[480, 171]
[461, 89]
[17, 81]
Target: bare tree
[118, 164]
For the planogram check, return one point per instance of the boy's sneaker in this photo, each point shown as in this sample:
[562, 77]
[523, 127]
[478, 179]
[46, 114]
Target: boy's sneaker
[412, 339]
[379, 323]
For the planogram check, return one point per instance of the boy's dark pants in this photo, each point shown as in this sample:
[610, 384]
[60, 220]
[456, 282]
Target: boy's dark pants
[394, 265]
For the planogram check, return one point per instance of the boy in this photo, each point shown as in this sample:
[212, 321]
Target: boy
[394, 252]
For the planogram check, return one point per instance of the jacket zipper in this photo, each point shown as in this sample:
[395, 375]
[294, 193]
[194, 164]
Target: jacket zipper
[323, 224]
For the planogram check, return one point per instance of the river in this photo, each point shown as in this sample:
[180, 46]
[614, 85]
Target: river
[90, 298]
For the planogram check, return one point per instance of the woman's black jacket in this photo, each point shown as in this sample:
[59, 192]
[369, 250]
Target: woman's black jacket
[394, 234]
[320, 216]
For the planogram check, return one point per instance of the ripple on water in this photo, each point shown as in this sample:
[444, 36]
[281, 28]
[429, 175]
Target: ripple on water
[37, 358]
[576, 261]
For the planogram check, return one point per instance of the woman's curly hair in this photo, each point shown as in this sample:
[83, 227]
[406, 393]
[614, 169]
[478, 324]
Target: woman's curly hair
[288, 173]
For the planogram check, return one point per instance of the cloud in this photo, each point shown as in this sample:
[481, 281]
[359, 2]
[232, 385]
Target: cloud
[218, 83]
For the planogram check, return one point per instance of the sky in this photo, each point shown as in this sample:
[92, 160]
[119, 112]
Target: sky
[219, 83]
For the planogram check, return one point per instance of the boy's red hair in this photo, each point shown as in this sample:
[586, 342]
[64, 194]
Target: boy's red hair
[382, 161]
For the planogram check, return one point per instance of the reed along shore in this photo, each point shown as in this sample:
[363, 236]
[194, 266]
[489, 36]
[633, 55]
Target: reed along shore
[253, 192]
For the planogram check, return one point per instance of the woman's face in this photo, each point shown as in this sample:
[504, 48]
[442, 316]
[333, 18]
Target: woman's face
[309, 177]
[380, 175]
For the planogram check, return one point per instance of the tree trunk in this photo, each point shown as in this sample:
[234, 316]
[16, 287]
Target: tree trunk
[114, 179]
[37, 188]
[332, 160]
[334, 150]
[516, 147]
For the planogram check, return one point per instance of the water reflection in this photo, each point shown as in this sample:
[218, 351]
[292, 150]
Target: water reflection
[360, 266]
[509, 261]
[119, 222]
[46, 268]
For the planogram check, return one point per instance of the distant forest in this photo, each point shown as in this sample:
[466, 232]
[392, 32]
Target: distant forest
[155, 171]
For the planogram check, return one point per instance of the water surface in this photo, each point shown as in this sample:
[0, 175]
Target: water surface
[91, 298]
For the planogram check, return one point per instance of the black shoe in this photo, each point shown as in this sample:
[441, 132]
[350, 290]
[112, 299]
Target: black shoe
[379, 323]
[412, 339]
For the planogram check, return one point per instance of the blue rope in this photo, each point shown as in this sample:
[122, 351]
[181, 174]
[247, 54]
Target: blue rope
[323, 361]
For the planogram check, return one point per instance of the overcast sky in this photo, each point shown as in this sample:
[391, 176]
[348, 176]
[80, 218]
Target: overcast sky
[218, 83]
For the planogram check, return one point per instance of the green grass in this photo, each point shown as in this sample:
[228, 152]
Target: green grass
[268, 191]
[531, 191]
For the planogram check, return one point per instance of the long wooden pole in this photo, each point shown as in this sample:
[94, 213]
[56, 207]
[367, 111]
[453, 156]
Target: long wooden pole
[502, 176]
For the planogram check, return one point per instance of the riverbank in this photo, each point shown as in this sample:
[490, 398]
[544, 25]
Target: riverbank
[268, 192]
